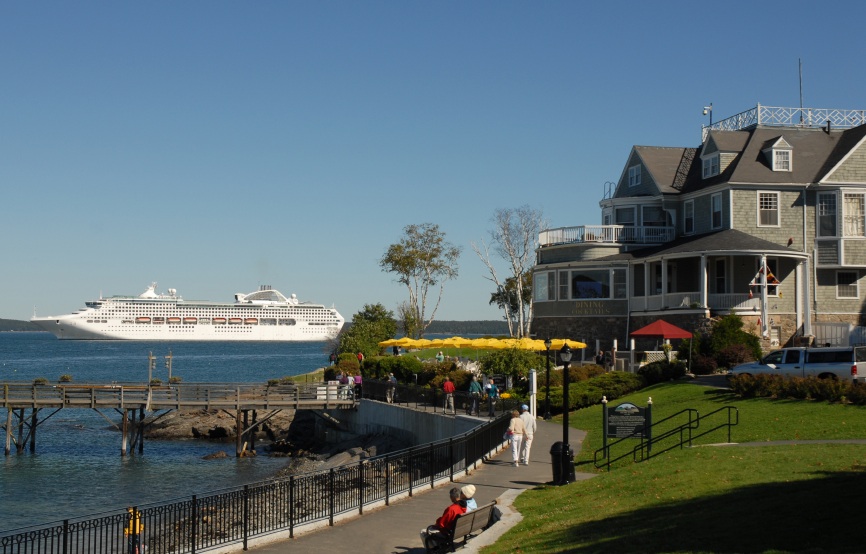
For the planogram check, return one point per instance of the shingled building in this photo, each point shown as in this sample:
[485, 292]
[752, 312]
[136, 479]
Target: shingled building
[765, 219]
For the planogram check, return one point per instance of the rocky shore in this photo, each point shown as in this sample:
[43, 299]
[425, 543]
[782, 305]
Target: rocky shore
[288, 434]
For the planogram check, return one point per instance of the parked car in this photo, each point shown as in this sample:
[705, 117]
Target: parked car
[847, 362]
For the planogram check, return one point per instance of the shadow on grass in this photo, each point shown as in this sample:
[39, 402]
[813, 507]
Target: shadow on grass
[818, 515]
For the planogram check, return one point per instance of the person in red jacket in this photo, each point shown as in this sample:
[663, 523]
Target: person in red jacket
[434, 535]
[448, 387]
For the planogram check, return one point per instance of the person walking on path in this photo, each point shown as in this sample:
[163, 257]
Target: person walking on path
[530, 425]
[360, 360]
[448, 387]
[516, 432]
[492, 394]
[435, 535]
[392, 387]
[475, 392]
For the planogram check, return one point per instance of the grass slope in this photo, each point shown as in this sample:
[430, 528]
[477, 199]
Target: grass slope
[764, 498]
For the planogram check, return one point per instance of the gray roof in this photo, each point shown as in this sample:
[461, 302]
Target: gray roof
[728, 240]
[814, 153]
[663, 163]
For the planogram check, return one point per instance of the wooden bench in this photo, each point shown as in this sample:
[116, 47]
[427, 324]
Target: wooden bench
[468, 525]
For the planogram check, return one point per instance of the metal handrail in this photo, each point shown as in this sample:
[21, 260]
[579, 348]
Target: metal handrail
[648, 447]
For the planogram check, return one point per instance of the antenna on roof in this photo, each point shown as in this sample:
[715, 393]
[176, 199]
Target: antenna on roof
[800, 62]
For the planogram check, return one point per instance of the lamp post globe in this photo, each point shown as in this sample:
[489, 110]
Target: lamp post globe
[547, 344]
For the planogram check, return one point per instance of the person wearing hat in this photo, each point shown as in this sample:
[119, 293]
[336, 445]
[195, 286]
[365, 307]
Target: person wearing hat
[467, 492]
[530, 425]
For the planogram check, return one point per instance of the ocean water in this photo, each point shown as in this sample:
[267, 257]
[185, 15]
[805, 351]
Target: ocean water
[77, 469]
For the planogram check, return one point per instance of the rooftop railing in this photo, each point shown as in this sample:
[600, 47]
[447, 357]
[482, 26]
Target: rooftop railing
[612, 234]
[788, 117]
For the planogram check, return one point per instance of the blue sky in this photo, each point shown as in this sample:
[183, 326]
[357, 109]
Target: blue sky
[217, 146]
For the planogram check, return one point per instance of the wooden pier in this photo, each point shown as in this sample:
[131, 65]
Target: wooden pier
[133, 402]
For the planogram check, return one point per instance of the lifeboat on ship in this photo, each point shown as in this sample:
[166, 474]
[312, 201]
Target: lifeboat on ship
[173, 320]
[235, 321]
[142, 320]
[190, 320]
[251, 321]
[219, 321]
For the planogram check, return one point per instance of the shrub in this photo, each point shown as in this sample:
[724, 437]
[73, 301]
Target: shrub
[155, 382]
[40, 381]
[174, 379]
[65, 378]
[734, 354]
[662, 370]
[590, 392]
[703, 365]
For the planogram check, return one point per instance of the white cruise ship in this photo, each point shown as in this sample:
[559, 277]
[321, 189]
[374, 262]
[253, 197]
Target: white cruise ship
[264, 315]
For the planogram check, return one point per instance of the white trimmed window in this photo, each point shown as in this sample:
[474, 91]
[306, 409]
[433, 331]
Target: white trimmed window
[846, 284]
[826, 214]
[711, 166]
[716, 209]
[625, 216]
[768, 209]
[634, 175]
[689, 217]
[854, 215]
[781, 160]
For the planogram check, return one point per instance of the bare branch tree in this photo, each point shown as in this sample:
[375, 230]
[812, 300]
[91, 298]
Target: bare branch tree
[514, 238]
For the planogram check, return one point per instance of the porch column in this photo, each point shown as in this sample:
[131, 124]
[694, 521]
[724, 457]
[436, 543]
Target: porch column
[646, 285]
[664, 263]
[704, 282]
[804, 274]
[765, 325]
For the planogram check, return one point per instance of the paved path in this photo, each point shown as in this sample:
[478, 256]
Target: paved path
[396, 528]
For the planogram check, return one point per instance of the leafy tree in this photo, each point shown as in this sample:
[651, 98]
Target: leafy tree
[421, 260]
[514, 238]
[370, 326]
[511, 361]
[506, 299]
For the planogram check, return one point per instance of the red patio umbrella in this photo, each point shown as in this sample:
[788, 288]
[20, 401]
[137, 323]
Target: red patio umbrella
[663, 330]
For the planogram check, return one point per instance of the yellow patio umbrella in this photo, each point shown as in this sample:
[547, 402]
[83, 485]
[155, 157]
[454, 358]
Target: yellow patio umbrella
[526, 343]
[422, 343]
[405, 342]
[387, 343]
[557, 344]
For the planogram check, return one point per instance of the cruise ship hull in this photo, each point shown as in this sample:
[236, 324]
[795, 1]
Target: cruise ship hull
[265, 315]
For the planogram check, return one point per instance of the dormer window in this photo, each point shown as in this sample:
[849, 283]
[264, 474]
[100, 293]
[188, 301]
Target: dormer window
[634, 175]
[779, 154]
[782, 160]
[711, 166]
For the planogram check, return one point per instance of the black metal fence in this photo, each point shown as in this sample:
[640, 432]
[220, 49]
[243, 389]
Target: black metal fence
[239, 514]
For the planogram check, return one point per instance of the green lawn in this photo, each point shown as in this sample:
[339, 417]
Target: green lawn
[765, 498]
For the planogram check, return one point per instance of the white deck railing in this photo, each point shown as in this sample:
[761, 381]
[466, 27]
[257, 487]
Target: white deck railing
[612, 234]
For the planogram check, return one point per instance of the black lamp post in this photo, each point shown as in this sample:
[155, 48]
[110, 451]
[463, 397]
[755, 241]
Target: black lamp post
[547, 396]
[567, 462]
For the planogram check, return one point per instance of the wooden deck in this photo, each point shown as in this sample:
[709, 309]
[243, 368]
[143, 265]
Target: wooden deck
[227, 396]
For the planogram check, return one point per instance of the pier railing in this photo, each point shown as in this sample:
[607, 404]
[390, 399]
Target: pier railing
[236, 515]
[176, 396]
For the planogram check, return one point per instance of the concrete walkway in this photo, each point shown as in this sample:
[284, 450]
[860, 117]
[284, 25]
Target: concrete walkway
[396, 528]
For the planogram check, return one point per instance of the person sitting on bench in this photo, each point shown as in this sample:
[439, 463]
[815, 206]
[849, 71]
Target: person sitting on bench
[435, 535]
[466, 494]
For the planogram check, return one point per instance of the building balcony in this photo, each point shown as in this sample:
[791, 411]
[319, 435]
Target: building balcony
[725, 303]
[609, 234]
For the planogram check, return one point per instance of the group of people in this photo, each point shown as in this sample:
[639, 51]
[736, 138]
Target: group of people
[462, 501]
[350, 382]
[476, 393]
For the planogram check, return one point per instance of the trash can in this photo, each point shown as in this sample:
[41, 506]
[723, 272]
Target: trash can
[563, 464]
